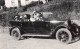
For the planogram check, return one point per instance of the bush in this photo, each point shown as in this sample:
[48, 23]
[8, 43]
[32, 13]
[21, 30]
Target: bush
[7, 16]
[61, 10]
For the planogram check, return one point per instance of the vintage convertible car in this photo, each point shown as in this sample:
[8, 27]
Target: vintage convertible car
[64, 31]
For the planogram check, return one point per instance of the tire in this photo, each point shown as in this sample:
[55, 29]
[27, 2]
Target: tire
[15, 33]
[63, 35]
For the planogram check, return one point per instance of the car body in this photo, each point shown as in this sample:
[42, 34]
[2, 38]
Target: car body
[45, 29]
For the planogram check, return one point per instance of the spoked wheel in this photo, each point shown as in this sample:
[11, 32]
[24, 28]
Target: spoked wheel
[15, 33]
[64, 35]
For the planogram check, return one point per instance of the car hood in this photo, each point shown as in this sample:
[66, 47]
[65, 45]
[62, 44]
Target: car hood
[55, 21]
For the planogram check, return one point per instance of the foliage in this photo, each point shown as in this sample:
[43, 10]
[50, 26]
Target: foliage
[61, 10]
[2, 2]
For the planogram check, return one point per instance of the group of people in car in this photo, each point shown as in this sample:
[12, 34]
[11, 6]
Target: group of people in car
[35, 16]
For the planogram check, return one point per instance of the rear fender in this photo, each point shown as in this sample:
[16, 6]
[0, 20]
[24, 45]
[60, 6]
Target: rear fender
[15, 27]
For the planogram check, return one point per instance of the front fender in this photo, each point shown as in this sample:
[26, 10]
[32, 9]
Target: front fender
[61, 26]
[73, 28]
[57, 28]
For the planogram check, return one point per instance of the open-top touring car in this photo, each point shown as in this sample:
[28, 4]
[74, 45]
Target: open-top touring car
[64, 31]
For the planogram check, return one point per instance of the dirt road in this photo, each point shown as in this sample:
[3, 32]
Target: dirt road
[7, 42]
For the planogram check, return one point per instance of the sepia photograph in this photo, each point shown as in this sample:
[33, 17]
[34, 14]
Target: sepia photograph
[39, 24]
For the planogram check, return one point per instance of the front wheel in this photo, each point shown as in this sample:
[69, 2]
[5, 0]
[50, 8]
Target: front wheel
[64, 35]
[15, 33]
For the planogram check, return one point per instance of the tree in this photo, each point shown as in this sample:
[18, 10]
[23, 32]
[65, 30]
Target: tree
[2, 2]
[19, 3]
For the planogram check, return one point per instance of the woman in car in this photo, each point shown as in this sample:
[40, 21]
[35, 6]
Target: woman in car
[36, 16]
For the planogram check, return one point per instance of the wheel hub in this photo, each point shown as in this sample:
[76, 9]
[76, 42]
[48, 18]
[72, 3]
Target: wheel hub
[63, 36]
[15, 34]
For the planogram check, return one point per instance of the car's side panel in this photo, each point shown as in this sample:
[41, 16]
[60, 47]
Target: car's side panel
[46, 27]
[42, 27]
[37, 27]
[28, 27]
[55, 26]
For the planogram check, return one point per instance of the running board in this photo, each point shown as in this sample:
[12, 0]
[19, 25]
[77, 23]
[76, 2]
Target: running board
[35, 35]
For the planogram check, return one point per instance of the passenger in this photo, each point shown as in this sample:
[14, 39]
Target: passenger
[32, 19]
[16, 18]
[21, 18]
[40, 17]
[36, 16]
[26, 17]
[32, 16]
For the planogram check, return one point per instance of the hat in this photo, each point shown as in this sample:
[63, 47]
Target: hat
[16, 16]
[34, 11]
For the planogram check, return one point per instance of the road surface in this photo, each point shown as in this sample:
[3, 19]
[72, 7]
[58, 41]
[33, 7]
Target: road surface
[7, 42]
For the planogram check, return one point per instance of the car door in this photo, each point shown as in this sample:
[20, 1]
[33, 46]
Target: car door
[46, 28]
[42, 27]
[28, 26]
[38, 27]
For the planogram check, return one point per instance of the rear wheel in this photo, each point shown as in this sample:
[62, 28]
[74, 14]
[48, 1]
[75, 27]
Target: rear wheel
[64, 35]
[15, 33]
